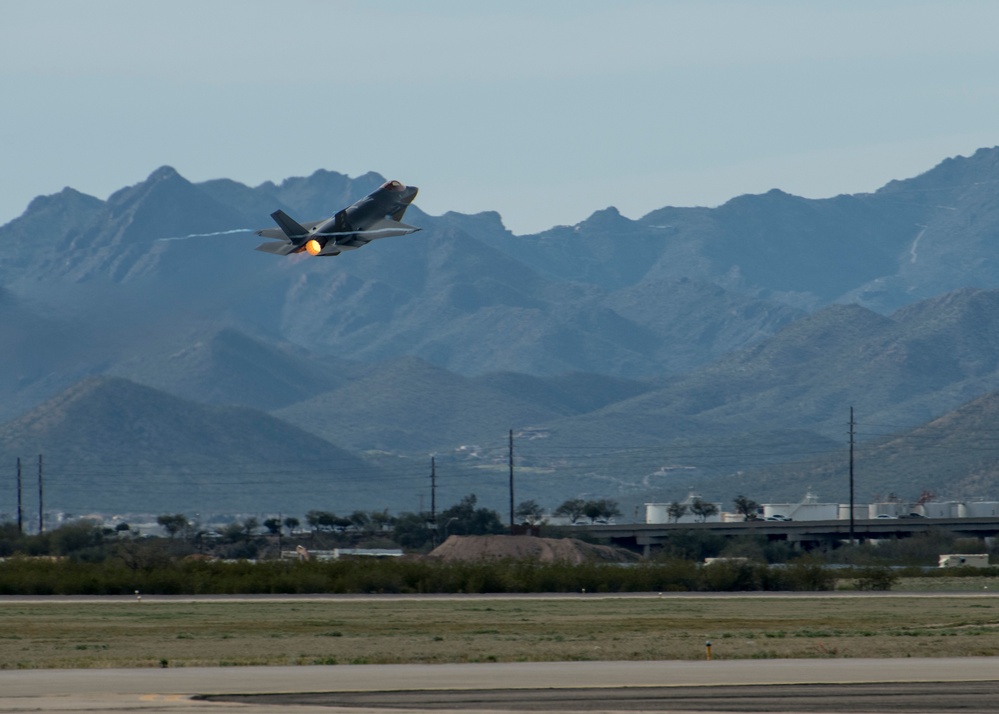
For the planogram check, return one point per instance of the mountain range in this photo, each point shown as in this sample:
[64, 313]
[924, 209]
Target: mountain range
[718, 349]
[110, 445]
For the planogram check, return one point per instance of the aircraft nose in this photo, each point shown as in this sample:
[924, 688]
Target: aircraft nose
[410, 194]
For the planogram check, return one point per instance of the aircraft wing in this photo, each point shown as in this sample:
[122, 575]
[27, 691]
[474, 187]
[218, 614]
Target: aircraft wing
[280, 248]
[389, 224]
[342, 239]
[379, 229]
[272, 233]
[278, 233]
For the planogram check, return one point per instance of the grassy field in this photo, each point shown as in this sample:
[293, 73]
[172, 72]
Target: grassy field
[154, 634]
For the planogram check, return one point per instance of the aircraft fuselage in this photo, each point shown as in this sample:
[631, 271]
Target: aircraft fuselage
[377, 215]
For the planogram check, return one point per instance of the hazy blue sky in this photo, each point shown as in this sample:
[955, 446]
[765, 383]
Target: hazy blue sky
[543, 111]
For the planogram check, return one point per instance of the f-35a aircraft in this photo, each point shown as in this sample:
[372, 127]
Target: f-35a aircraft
[377, 215]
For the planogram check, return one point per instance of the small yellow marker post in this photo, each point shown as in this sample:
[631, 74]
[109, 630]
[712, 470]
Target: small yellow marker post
[707, 647]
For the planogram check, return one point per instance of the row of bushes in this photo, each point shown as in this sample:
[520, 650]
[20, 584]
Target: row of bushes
[86, 541]
[24, 576]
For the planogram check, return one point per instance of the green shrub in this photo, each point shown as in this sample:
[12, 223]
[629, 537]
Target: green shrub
[875, 578]
[158, 575]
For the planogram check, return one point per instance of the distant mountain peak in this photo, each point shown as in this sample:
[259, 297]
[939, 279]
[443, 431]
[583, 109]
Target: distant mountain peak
[320, 174]
[63, 407]
[163, 173]
[851, 317]
[953, 172]
[489, 219]
[606, 218]
[163, 177]
[161, 443]
[68, 198]
[761, 200]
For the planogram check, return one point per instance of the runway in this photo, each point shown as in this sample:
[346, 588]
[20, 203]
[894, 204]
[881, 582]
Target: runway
[839, 685]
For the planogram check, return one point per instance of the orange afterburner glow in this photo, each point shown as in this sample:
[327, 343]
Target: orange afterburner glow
[313, 247]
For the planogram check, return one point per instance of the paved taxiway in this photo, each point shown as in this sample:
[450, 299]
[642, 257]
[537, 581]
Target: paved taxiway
[140, 691]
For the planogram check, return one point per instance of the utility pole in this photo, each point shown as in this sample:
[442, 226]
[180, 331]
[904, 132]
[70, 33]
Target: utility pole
[41, 500]
[433, 490]
[853, 539]
[433, 501]
[20, 511]
[511, 482]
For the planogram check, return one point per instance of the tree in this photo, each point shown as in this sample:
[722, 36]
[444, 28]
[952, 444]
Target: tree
[273, 526]
[410, 530]
[573, 509]
[72, 538]
[173, 524]
[465, 519]
[747, 508]
[530, 512]
[233, 532]
[323, 520]
[675, 511]
[291, 523]
[603, 509]
[381, 519]
[360, 520]
[702, 510]
[250, 524]
[146, 555]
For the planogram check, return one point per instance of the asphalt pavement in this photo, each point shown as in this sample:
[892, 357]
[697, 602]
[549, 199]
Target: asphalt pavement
[965, 685]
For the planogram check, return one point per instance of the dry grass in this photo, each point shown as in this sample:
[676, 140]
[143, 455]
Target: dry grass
[149, 634]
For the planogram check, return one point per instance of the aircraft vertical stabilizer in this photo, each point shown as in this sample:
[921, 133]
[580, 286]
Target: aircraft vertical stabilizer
[291, 227]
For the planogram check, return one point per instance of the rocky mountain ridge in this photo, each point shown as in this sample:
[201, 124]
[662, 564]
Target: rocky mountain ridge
[699, 343]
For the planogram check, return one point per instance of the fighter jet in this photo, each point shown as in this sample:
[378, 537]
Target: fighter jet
[377, 215]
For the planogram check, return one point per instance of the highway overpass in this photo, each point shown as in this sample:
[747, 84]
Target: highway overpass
[806, 534]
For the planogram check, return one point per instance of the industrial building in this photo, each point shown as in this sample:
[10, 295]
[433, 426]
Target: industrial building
[811, 509]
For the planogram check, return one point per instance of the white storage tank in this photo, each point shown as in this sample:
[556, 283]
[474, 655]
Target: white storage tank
[981, 509]
[814, 512]
[656, 513]
[659, 513]
[860, 511]
[778, 509]
[939, 509]
[808, 509]
[892, 509]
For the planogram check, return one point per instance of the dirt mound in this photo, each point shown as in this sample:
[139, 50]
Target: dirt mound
[523, 547]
